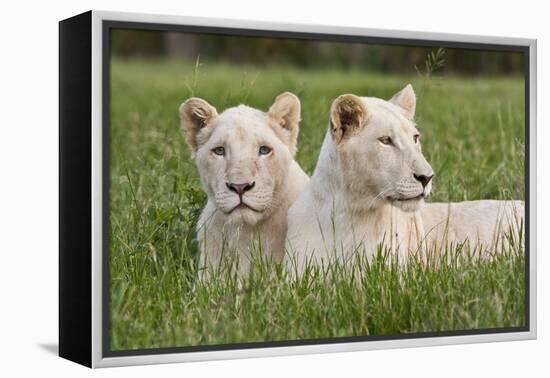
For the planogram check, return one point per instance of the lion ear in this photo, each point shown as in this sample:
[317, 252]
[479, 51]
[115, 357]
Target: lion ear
[347, 116]
[285, 111]
[196, 116]
[406, 100]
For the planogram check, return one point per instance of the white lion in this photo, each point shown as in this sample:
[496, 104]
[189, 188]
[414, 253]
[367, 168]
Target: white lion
[245, 161]
[369, 187]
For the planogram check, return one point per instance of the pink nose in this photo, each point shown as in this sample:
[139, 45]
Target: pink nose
[240, 188]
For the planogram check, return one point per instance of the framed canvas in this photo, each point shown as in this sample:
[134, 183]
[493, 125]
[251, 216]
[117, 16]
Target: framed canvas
[236, 189]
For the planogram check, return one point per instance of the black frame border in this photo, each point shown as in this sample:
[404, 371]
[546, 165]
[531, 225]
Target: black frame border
[109, 25]
[75, 188]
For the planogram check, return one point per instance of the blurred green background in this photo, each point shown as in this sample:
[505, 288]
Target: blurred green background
[130, 44]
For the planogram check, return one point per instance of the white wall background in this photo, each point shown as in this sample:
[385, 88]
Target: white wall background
[28, 185]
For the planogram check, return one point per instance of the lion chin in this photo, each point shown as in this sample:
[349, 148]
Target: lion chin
[246, 215]
[409, 205]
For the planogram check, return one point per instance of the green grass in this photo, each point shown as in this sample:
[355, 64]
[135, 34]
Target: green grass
[472, 135]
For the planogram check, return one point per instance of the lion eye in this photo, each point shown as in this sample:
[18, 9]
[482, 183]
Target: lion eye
[264, 150]
[220, 151]
[416, 138]
[386, 140]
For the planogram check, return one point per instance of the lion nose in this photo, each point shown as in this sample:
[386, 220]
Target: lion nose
[424, 180]
[240, 188]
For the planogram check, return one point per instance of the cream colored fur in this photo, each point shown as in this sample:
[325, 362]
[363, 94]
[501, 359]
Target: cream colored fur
[258, 149]
[363, 191]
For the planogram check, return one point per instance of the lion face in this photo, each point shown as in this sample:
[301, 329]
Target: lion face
[243, 154]
[379, 147]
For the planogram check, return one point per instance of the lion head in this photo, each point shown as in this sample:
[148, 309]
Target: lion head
[379, 149]
[243, 154]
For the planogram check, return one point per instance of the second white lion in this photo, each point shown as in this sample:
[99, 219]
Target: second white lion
[369, 186]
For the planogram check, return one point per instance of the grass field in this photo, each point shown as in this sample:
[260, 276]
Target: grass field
[472, 136]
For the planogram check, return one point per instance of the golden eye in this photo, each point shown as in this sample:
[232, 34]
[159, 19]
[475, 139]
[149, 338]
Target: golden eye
[416, 138]
[386, 140]
[220, 151]
[264, 150]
